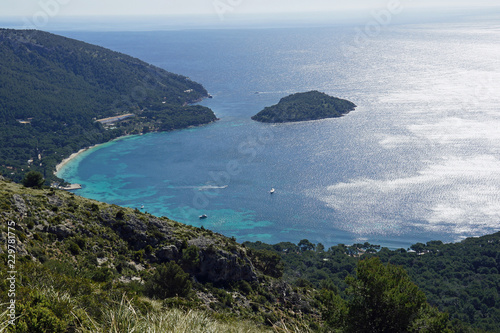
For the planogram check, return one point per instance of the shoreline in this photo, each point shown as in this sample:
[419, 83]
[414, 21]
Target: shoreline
[71, 157]
[67, 160]
[83, 150]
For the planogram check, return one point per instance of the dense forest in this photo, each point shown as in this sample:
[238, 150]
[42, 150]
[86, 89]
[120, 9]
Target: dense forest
[310, 105]
[53, 89]
[461, 279]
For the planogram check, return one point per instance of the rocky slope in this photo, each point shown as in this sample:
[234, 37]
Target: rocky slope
[56, 220]
[95, 253]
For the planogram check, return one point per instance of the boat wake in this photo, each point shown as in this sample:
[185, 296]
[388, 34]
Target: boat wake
[211, 187]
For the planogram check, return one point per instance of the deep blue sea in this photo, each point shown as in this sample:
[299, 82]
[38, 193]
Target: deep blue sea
[418, 160]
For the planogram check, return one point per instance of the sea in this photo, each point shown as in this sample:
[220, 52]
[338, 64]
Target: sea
[418, 160]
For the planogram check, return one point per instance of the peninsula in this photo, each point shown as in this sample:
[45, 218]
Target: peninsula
[310, 105]
[59, 95]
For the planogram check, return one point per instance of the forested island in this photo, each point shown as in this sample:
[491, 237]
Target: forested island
[57, 96]
[310, 105]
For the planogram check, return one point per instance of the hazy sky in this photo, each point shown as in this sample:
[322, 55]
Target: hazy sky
[182, 7]
[54, 15]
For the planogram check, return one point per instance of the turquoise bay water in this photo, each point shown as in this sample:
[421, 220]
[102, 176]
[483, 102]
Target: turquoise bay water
[418, 160]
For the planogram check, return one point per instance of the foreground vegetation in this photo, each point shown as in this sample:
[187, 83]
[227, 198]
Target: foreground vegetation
[86, 266]
[310, 105]
[53, 89]
[459, 278]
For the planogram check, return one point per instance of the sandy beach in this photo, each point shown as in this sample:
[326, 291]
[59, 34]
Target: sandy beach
[74, 155]
[71, 157]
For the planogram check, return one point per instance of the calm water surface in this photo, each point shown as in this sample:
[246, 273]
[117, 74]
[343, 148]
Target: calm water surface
[418, 160]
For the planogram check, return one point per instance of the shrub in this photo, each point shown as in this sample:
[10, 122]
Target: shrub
[190, 257]
[94, 207]
[138, 255]
[74, 248]
[81, 242]
[102, 274]
[148, 249]
[245, 287]
[169, 280]
[29, 223]
[120, 215]
[41, 314]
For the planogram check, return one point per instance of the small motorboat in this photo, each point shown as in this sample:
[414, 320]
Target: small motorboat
[272, 190]
[204, 216]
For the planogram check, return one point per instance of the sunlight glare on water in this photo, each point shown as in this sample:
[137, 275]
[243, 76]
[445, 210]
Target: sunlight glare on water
[418, 160]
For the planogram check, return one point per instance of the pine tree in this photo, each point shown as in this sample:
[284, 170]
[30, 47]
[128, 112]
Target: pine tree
[33, 179]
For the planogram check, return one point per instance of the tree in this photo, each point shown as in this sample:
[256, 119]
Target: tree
[384, 299]
[334, 310]
[169, 280]
[320, 247]
[190, 258]
[419, 247]
[306, 245]
[268, 262]
[33, 179]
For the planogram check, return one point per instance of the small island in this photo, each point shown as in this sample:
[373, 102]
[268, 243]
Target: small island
[310, 105]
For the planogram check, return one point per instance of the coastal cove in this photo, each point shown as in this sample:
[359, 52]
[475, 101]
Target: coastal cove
[82, 153]
[75, 158]
[70, 111]
[417, 161]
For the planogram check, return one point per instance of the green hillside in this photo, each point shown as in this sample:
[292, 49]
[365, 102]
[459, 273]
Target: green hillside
[79, 262]
[461, 278]
[310, 105]
[85, 266]
[53, 89]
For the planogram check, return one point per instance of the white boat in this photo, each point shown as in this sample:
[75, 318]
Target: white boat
[272, 190]
[204, 216]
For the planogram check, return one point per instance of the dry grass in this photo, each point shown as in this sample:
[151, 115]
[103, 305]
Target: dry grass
[126, 319]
